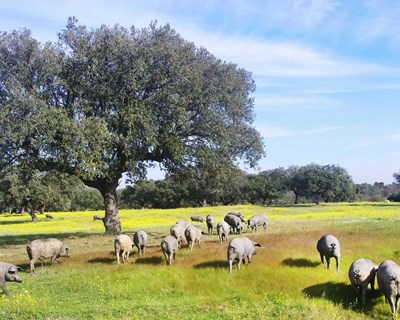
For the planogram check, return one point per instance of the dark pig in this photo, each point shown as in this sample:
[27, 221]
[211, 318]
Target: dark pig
[8, 273]
[328, 247]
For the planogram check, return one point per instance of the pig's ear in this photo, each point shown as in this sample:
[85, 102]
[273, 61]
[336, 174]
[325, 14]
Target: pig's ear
[12, 269]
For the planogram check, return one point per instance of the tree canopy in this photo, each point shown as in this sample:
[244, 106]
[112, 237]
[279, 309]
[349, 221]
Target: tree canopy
[101, 102]
[321, 182]
[396, 177]
[267, 185]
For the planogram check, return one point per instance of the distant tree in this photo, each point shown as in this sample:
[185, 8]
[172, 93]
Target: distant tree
[368, 192]
[140, 195]
[298, 182]
[207, 182]
[126, 199]
[392, 192]
[168, 194]
[84, 198]
[12, 190]
[396, 177]
[342, 187]
[395, 197]
[233, 188]
[198, 185]
[106, 101]
[390, 189]
[267, 185]
[254, 184]
[38, 191]
[322, 183]
[187, 189]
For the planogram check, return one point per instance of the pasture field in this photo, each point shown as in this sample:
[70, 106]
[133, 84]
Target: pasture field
[285, 281]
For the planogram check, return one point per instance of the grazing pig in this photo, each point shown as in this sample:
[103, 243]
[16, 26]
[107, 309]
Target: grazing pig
[234, 222]
[49, 216]
[223, 231]
[8, 273]
[141, 240]
[184, 223]
[328, 246]
[123, 243]
[192, 235]
[196, 218]
[258, 220]
[46, 248]
[361, 274]
[178, 231]
[239, 249]
[169, 247]
[388, 275]
[96, 217]
[211, 222]
[238, 214]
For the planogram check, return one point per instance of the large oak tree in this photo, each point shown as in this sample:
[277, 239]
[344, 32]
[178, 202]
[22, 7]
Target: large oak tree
[102, 102]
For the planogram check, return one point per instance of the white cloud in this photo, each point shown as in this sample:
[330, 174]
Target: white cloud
[312, 12]
[375, 141]
[295, 16]
[294, 102]
[275, 131]
[264, 57]
[268, 58]
[362, 144]
[270, 131]
[393, 137]
[355, 87]
[379, 20]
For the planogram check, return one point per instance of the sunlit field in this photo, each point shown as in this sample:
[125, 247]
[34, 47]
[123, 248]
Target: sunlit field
[285, 280]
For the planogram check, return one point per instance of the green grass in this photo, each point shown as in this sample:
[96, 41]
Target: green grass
[285, 280]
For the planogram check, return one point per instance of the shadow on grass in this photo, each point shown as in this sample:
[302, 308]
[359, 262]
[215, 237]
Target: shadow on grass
[8, 222]
[26, 267]
[39, 265]
[149, 260]
[343, 294]
[217, 264]
[375, 204]
[107, 260]
[301, 262]
[26, 238]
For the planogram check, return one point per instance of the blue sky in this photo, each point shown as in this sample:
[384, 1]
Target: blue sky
[327, 71]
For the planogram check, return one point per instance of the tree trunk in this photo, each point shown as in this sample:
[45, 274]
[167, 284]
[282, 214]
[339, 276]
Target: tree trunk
[111, 220]
[41, 209]
[108, 189]
[33, 215]
[296, 199]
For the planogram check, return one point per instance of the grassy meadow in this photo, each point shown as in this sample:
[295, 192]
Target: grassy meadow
[285, 280]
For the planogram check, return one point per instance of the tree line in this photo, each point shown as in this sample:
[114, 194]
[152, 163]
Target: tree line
[312, 183]
[52, 191]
